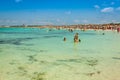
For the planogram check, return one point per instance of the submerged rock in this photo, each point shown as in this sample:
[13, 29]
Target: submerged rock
[117, 58]
[32, 58]
[71, 60]
[92, 62]
[38, 76]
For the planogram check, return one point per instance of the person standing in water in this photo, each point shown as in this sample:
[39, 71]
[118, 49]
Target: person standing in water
[76, 38]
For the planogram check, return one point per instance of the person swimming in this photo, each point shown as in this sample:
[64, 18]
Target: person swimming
[79, 40]
[64, 39]
[103, 33]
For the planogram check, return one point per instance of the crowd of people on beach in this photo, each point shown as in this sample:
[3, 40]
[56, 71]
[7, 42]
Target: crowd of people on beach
[87, 27]
[83, 27]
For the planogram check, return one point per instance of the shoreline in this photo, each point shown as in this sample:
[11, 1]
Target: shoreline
[71, 28]
[110, 26]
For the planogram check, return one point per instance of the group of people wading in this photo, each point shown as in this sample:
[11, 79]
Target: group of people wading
[76, 38]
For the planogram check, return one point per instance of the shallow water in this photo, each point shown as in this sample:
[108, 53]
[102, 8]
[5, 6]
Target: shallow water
[41, 54]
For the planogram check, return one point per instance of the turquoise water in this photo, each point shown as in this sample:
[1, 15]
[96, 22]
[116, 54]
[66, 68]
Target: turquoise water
[41, 54]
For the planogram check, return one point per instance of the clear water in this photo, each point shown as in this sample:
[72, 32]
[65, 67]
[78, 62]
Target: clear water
[41, 54]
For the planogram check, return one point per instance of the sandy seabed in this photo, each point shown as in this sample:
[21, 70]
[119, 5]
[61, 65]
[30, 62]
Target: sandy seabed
[97, 57]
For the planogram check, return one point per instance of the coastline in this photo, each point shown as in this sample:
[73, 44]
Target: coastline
[111, 26]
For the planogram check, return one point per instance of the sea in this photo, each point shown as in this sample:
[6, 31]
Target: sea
[42, 54]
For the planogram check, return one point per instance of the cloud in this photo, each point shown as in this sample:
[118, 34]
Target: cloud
[118, 8]
[85, 21]
[8, 21]
[68, 12]
[43, 22]
[58, 20]
[96, 6]
[113, 20]
[49, 23]
[112, 3]
[17, 1]
[107, 9]
[76, 21]
[104, 21]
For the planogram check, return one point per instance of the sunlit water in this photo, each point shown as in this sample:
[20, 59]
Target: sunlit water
[41, 54]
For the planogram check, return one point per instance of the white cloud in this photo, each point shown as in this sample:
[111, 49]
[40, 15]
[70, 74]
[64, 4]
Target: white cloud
[76, 21]
[118, 8]
[104, 21]
[85, 21]
[44, 23]
[96, 6]
[58, 20]
[113, 20]
[68, 12]
[17, 1]
[107, 9]
[9, 21]
[112, 3]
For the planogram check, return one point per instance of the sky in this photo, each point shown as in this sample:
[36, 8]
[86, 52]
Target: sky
[59, 12]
